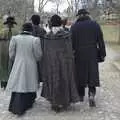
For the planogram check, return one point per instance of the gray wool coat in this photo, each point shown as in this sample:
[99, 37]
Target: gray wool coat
[25, 49]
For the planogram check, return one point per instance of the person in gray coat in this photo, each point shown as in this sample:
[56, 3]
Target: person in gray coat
[89, 50]
[25, 50]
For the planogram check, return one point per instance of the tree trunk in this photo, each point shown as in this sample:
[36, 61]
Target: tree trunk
[119, 29]
[57, 9]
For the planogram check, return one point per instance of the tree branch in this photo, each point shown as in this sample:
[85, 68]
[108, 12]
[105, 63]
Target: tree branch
[41, 6]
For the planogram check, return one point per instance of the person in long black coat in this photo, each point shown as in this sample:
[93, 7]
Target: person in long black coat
[38, 32]
[89, 49]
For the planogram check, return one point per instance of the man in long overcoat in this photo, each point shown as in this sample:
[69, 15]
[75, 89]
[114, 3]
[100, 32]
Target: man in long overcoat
[89, 49]
[38, 32]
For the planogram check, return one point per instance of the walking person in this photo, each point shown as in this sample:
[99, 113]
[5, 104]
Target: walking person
[25, 50]
[89, 50]
[58, 69]
[38, 32]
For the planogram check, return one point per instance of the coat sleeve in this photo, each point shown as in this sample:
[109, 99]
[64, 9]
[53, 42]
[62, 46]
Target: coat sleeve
[37, 49]
[101, 44]
[73, 38]
[12, 48]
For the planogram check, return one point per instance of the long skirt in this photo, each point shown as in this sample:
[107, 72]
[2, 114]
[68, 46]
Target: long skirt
[20, 102]
[59, 86]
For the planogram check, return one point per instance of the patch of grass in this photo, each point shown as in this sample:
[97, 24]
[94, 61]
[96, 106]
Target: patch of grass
[111, 33]
[115, 47]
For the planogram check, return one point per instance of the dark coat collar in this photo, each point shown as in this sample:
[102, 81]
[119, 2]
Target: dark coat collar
[83, 18]
[62, 34]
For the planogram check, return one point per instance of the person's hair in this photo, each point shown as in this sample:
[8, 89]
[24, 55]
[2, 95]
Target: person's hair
[82, 12]
[27, 27]
[35, 19]
[83, 18]
[56, 21]
[64, 21]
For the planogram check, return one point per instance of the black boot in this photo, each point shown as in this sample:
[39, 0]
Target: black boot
[81, 92]
[92, 101]
[3, 84]
[92, 92]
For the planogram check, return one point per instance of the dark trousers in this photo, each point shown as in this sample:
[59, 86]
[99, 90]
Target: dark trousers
[91, 90]
[39, 72]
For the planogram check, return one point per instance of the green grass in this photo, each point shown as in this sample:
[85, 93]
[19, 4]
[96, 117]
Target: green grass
[111, 33]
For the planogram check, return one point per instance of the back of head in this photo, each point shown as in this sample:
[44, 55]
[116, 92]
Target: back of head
[27, 27]
[82, 12]
[56, 21]
[83, 15]
[35, 19]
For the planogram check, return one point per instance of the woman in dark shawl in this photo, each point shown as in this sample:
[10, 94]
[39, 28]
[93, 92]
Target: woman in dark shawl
[58, 69]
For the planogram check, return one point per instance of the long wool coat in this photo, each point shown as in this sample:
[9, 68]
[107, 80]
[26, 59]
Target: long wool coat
[87, 37]
[58, 69]
[39, 32]
[25, 50]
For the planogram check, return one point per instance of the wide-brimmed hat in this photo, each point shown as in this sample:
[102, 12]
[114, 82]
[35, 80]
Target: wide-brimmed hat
[10, 20]
[27, 27]
[82, 12]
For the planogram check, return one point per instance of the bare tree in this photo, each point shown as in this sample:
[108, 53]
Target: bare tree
[57, 4]
[70, 5]
[42, 4]
[75, 5]
[19, 8]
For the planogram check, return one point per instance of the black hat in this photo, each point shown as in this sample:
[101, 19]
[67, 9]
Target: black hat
[10, 20]
[35, 19]
[56, 21]
[27, 27]
[82, 12]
